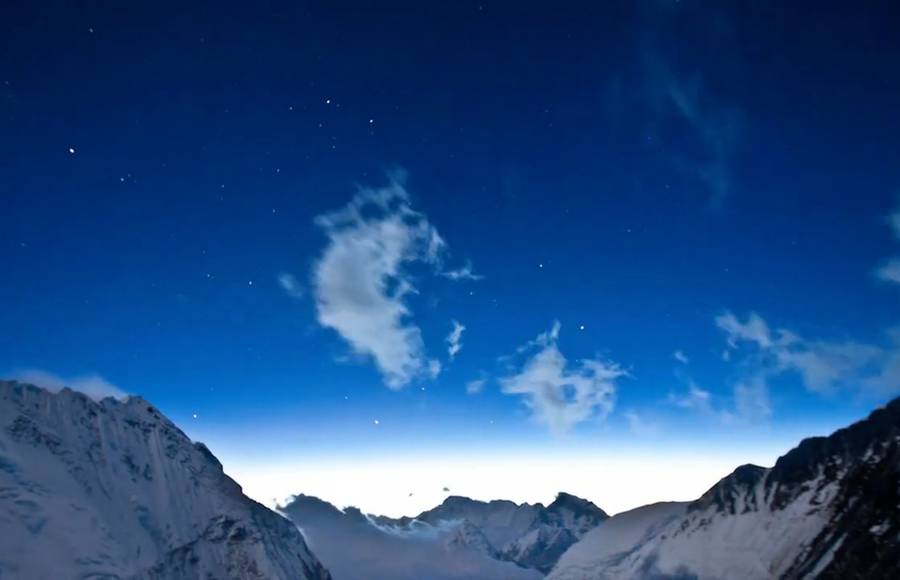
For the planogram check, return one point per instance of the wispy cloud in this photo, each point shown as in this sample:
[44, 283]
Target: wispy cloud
[751, 401]
[763, 354]
[714, 127]
[822, 365]
[94, 386]
[889, 271]
[361, 283]
[559, 395]
[640, 426]
[476, 386]
[466, 272]
[696, 399]
[454, 339]
[291, 285]
[754, 330]
[680, 357]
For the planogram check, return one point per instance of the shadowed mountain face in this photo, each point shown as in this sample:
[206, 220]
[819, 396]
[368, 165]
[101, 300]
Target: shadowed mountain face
[113, 489]
[353, 546]
[827, 509]
[497, 539]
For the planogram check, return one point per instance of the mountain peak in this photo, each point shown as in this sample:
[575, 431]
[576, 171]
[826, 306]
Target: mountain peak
[575, 503]
[114, 489]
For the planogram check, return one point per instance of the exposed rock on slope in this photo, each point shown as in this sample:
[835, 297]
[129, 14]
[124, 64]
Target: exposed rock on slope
[113, 489]
[354, 546]
[830, 508]
[497, 539]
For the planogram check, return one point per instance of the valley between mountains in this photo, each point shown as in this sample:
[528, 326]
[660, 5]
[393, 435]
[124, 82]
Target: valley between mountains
[114, 490]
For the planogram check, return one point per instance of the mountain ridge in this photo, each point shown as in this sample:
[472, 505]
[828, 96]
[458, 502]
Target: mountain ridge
[530, 536]
[113, 489]
[827, 509]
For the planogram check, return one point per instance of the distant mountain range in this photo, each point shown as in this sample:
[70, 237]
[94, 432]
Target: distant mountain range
[497, 539]
[113, 490]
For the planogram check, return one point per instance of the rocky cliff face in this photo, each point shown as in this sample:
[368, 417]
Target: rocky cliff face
[830, 508]
[112, 489]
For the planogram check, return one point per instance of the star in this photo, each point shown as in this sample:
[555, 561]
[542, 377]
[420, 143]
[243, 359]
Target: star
[194, 415]
[71, 151]
[250, 283]
[377, 422]
[581, 327]
[540, 266]
[327, 101]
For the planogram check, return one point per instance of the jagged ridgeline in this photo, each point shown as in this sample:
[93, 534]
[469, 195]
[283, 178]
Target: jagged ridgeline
[461, 538]
[113, 489]
[828, 509]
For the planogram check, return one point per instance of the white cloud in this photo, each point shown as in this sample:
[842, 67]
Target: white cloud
[822, 365]
[894, 222]
[454, 339]
[434, 368]
[464, 273]
[754, 330]
[640, 426]
[291, 285]
[558, 396]
[680, 357]
[751, 400]
[361, 282]
[696, 399]
[889, 271]
[94, 386]
[476, 386]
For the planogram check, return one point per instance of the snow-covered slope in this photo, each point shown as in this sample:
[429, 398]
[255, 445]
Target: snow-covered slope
[112, 489]
[354, 546]
[830, 508]
[497, 539]
[501, 521]
[553, 530]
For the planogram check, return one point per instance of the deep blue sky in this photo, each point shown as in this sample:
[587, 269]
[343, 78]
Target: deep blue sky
[638, 168]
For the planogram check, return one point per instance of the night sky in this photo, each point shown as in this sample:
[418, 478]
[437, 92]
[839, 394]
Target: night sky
[669, 230]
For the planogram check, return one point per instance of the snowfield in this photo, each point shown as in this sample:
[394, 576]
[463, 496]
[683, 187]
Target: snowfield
[113, 489]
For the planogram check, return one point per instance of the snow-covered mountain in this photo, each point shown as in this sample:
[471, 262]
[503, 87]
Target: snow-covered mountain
[354, 546]
[497, 539]
[112, 489]
[830, 508]
[531, 535]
